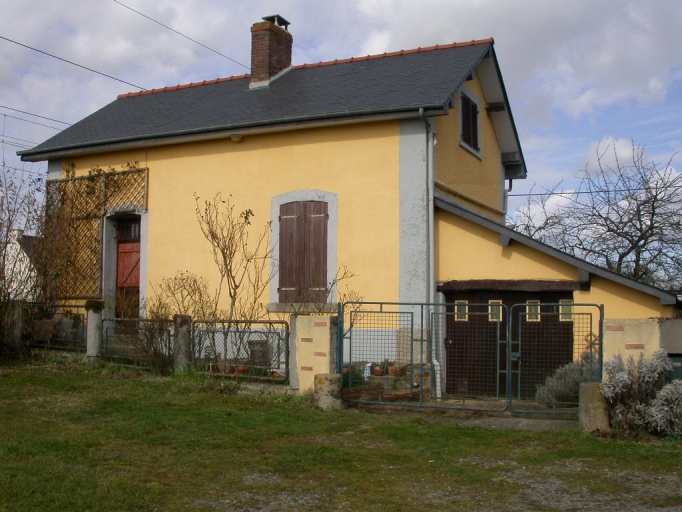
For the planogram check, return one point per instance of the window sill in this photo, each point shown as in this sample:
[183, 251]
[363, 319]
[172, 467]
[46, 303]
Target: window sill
[302, 307]
[476, 152]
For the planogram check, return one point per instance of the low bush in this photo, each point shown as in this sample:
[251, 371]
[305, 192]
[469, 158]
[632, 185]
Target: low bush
[664, 415]
[632, 388]
[563, 386]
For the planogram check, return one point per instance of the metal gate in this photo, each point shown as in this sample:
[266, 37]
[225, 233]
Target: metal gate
[460, 355]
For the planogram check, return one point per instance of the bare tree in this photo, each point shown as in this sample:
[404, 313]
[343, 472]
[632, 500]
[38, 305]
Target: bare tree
[623, 216]
[185, 293]
[20, 212]
[243, 262]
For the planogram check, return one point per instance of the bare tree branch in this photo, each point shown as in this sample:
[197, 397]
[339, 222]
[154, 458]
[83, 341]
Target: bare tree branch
[624, 217]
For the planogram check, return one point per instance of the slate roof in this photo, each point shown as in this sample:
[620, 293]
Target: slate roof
[369, 86]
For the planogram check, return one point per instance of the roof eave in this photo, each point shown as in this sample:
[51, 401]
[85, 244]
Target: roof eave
[503, 120]
[225, 131]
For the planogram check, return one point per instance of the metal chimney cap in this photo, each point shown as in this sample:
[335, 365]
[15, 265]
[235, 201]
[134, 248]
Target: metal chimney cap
[277, 19]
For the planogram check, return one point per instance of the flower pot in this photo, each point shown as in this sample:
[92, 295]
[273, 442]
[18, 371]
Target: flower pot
[378, 372]
[393, 371]
[241, 369]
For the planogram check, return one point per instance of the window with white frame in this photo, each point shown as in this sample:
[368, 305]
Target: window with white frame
[494, 310]
[304, 229]
[566, 310]
[532, 311]
[461, 311]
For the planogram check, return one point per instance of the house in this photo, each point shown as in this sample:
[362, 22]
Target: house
[395, 166]
[19, 274]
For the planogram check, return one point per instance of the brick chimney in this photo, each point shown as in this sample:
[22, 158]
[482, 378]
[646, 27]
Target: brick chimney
[270, 50]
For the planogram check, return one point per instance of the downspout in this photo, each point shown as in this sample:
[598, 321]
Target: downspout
[505, 206]
[431, 233]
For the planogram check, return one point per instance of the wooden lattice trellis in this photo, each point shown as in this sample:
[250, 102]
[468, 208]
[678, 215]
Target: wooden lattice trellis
[75, 209]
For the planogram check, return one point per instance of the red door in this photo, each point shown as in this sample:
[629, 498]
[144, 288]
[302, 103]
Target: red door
[128, 269]
[128, 265]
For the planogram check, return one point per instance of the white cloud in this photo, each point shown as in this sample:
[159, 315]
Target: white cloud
[609, 153]
[378, 42]
[574, 59]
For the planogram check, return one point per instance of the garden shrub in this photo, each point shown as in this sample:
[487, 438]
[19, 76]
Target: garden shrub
[563, 386]
[631, 387]
[664, 415]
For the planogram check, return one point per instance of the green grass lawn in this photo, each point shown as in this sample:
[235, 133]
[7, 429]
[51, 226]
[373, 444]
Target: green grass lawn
[110, 439]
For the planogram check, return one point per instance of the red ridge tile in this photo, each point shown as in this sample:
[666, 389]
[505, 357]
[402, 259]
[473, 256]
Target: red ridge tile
[315, 65]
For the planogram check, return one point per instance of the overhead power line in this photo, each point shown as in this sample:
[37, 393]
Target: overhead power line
[34, 115]
[578, 192]
[20, 140]
[181, 34]
[73, 63]
[14, 144]
[43, 173]
[32, 122]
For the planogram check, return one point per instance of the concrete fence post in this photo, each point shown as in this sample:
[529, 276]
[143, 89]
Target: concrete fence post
[327, 391]
[593, 413]
[181, 343]
[93, 335]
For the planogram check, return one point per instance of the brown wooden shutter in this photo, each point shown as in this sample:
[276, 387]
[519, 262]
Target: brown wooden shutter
[315, 265]
[469, 122]
[291, 242]
[303, 252]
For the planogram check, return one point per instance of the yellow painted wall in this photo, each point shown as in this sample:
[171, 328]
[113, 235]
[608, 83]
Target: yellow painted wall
[466, 250]
[623, 302]
[360, 163]
[458, 168]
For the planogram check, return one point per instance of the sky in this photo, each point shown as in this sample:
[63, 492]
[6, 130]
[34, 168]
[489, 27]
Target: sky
[579, 74]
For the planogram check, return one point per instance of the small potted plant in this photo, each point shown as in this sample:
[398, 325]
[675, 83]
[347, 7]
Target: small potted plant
[386, 366]
[378, 370]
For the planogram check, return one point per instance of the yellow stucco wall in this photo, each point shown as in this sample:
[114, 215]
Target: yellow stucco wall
[459, 168]
[623, 302]
[466, 250]
[359, 163]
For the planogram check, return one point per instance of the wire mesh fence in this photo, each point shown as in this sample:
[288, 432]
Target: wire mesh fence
[139, 342]
[485, 356]
[55, 326]
[248, 349]
[554, 347]
[386, 353]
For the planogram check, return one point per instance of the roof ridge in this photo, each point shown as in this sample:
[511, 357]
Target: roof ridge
[316, 65]
[183, 86]
[397, 53]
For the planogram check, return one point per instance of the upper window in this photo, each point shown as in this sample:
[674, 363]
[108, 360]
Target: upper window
[469, 129]
[128, 229]
[303, 252]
